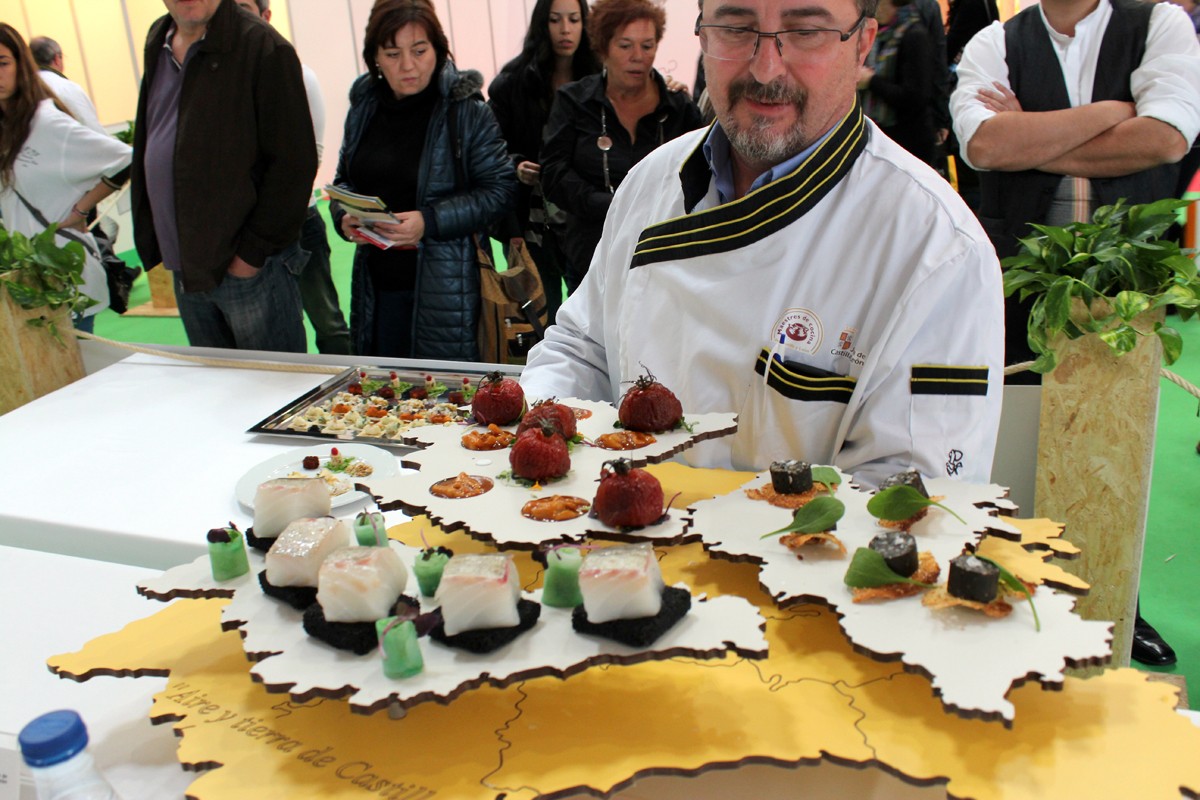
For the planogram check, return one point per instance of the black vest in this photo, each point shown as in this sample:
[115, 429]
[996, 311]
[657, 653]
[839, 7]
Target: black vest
[1011, 200]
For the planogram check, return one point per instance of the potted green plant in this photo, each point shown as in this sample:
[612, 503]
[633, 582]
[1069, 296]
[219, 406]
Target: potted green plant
[39, 275]
[1100, 291]
[1101, 276]
[39, 288]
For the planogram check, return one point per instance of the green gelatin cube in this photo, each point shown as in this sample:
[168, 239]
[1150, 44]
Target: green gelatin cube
[401, 652]
[429, 572]
[228, 559]
[370, 530]
[560, 589]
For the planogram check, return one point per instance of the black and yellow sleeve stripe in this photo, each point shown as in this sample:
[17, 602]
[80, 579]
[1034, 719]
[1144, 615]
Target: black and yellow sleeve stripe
[798, 382]
[948, 379]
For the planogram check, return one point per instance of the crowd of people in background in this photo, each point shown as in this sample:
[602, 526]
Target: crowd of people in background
[563, 124]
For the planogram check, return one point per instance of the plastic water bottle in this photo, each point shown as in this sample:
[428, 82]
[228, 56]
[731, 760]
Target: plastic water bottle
[55, 747]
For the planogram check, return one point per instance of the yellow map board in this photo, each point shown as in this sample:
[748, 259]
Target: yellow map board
[1115, 735]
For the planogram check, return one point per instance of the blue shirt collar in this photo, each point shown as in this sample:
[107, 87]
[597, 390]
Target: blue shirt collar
[716, 153]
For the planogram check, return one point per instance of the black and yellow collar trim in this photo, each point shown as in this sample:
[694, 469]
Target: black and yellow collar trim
[759, 214]
[797, 382]
[945, 379]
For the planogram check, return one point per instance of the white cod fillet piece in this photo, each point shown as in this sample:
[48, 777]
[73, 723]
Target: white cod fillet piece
[360, 584]
[622, 582]
[281, 500]
[295, 558]
[479, 591]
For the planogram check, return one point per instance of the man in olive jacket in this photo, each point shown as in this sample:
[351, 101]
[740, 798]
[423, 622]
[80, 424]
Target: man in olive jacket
[224, 160]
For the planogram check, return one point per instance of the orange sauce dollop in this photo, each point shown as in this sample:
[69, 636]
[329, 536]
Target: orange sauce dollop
[625, 440]
[493, 438]
[460, 486]
[555, 508]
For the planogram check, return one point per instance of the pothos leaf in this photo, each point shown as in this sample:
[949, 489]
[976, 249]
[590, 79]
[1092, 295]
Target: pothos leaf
[900, 502]
[868, 569]
[827, 476]
[816, 516]
[1014, 583]
[1172, 343]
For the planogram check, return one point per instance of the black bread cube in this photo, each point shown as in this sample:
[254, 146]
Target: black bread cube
[972, 578]
[791, 477]
[899, 551]
[911, 478]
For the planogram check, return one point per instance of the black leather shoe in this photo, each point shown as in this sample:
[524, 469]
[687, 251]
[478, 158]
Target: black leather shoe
[1148, 647]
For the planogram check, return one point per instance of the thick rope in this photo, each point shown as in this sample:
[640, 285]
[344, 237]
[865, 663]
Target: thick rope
[271, 366]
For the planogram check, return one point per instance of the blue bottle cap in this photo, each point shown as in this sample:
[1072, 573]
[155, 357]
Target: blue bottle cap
[52, 738]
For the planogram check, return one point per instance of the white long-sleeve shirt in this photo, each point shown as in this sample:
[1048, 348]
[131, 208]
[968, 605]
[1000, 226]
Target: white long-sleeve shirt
[1165, 86]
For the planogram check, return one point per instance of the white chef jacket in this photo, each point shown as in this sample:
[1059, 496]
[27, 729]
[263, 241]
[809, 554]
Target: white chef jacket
[880, 309]
[60, 161]
[1165, 86]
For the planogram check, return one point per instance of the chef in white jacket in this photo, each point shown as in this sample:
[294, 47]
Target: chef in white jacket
[794, 265]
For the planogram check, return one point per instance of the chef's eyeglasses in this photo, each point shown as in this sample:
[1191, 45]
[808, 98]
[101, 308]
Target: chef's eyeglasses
[730, 43]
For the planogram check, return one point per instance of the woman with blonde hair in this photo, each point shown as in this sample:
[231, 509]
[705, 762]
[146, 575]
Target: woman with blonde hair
[53, 169]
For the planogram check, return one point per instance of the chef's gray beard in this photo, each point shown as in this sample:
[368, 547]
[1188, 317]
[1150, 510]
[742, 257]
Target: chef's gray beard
[757, 142]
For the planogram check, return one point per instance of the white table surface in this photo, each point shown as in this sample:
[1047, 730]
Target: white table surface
[63, 603]
[133, 464]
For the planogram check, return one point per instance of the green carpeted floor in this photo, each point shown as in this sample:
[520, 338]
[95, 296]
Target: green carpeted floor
[1172, 559]
[1171, 562]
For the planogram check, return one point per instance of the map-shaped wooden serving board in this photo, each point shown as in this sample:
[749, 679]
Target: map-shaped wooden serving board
[813, 701]
[288, 660]
[495, 517]
[972, 660]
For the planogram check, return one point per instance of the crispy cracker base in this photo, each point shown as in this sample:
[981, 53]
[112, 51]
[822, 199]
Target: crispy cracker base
[927, 572]
[792, 501]
[795, 541]
[940, 597]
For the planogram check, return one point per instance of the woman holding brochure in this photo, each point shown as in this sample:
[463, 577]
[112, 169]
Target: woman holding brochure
[415, 282]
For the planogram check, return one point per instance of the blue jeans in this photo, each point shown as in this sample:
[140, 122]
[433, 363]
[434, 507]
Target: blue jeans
[258, 313]
[317, 290]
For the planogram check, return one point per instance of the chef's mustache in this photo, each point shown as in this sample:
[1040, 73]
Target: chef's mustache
[774, 92]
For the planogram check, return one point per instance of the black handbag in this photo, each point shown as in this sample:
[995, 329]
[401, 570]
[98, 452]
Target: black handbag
[120, 276]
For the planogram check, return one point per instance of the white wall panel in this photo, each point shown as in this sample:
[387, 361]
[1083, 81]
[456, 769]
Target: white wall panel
[323, 32]
[107, 66]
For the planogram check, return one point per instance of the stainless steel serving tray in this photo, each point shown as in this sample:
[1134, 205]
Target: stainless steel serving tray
[279, 423]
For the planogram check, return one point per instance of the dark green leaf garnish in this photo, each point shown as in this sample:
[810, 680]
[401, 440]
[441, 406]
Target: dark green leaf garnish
[827, 476]
[816, 516]
[900, 502]
[1014, 583]
[868, 569]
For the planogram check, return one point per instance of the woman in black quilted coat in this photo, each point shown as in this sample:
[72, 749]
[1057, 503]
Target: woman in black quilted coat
[419, 296]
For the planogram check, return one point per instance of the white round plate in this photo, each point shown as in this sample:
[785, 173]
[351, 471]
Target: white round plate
[383, 463]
